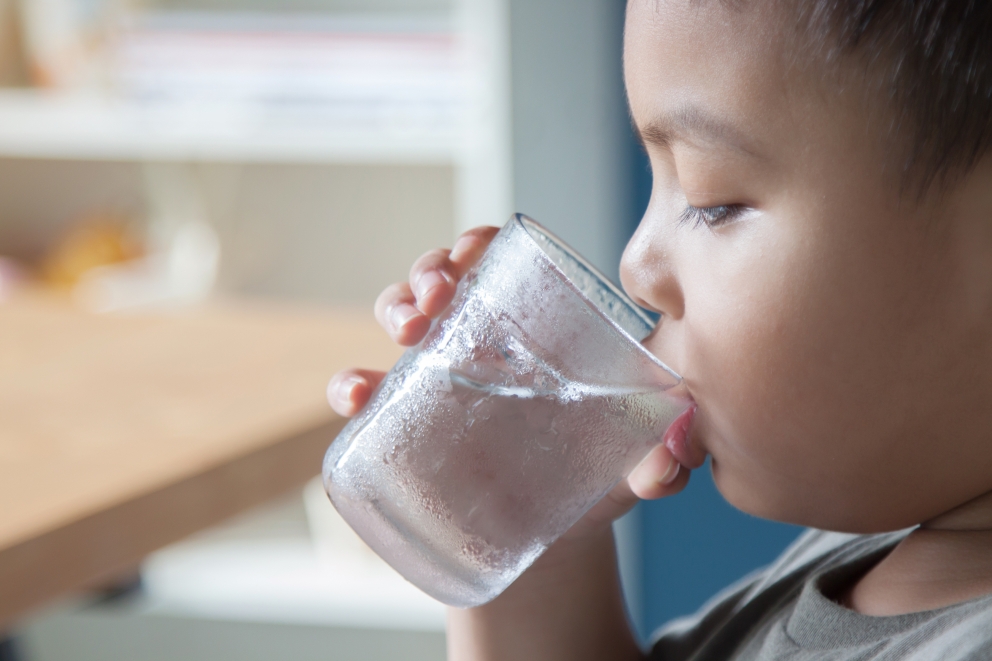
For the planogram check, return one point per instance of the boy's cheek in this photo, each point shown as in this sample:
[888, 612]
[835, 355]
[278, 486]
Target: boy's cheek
[781, 378]
[751, 347]
[766, 344]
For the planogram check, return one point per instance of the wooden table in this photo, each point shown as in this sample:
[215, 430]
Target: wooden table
[120, 434]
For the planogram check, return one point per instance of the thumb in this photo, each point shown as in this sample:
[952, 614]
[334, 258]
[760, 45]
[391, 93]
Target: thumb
[658, 475]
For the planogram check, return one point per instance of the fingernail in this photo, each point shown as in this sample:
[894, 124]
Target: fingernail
[427, 282]
[400, 315]
[670, 474]
[344, 388]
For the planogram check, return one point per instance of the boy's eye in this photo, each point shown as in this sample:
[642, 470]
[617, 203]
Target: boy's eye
[710, 216]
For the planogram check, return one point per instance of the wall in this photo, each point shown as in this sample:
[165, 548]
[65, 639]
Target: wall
[336, 234]
[571, 144]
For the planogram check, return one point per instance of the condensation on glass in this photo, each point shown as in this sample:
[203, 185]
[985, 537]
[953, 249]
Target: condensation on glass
[529, 399]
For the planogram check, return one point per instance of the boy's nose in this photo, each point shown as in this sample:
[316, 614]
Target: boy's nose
[648, 274]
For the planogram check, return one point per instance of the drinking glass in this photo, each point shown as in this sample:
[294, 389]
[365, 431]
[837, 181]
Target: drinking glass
[529, 399]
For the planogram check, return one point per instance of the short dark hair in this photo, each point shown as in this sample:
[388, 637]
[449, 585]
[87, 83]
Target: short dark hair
[933, 59]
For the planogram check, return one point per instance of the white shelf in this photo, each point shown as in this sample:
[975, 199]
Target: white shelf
[93, 127]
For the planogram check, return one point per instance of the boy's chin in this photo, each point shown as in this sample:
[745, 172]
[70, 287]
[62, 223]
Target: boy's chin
[799, 504]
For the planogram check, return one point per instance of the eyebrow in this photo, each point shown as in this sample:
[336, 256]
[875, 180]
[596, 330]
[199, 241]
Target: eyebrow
[688, 122]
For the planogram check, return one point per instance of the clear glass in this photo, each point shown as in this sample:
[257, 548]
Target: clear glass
[529, 399]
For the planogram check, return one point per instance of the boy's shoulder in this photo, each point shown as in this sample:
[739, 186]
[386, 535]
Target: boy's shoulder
[781, 612]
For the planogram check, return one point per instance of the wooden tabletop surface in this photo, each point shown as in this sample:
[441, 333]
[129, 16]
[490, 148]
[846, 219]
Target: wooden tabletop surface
[122, 433]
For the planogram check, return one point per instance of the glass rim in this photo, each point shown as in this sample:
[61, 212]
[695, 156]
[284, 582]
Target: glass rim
[526, 223]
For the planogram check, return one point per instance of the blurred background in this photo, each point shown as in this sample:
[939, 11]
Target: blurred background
[170, 152]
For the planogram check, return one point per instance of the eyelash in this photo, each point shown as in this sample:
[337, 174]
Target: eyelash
[712, 217]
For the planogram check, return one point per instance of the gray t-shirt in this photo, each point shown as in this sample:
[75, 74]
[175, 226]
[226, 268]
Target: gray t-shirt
[781, 614]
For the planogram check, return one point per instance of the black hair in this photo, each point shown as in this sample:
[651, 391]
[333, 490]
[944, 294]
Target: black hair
[933, 60]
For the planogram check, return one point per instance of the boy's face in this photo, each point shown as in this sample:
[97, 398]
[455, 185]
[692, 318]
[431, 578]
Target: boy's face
[834, 337]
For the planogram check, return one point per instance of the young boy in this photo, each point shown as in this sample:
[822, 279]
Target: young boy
[819, 243]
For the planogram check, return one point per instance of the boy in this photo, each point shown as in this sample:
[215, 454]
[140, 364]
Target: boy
[819, 244]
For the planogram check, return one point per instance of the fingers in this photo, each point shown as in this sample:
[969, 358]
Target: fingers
[469, 248]
[659, 474]
[396, 311]
[349, 390]
[434, 277]
[616, 503]
[405, 309]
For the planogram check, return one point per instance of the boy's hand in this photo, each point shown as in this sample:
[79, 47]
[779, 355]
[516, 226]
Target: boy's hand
[405, 310]
[569, 604]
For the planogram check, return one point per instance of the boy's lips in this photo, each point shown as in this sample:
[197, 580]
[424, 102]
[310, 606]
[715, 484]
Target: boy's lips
[677, 440]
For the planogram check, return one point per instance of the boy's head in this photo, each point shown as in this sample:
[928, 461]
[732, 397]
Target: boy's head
[819, 240]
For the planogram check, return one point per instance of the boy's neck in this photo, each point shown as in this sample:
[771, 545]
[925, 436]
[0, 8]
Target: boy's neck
[974, 515]
[947, 560]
